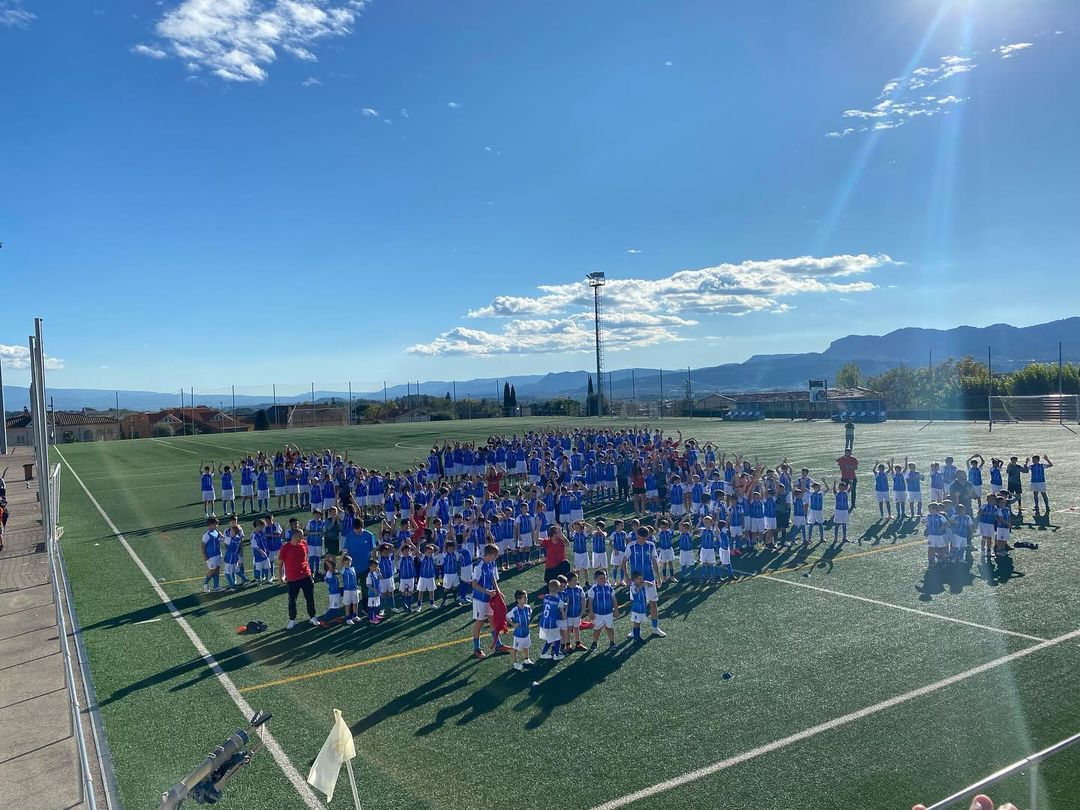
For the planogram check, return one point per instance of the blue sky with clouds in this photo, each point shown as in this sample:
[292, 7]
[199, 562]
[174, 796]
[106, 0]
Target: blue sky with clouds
[207, 192]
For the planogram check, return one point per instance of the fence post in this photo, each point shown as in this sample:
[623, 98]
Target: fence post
[1033, 787]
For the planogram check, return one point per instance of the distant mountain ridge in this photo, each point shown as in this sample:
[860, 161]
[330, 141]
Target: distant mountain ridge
[1012, 348]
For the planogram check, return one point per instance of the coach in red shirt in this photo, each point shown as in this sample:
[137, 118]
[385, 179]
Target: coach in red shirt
[296, 573]
[848, 465]
[555, 561]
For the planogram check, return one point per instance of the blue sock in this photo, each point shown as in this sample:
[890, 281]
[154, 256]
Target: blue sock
[494, 638]
[217, 581]
[656, 624]
[637, 632]
[231, 580]
[207, 581]
[371, 613]
[555, 647]
[547, 646]
[476, 644]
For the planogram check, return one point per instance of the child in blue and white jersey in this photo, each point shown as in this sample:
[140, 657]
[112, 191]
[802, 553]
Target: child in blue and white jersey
[881, 490]
[247, 487]
[899, 486]
[228, 491]
[350, 590]
[913, 479]
[1037, 469]
[618, 554]
[451, 571]
[374, 591]
[426, 579]
[960, 524]
[386, 577]
[211, 551]
[206, 489]
[707, 541]
[333, 593]
[598, 552]
[280, 489]
[639, 606]
[840, 510]
[975, 466]
[665, 549]
[573, 595]
[798, 516]
[602, 608]
[407, 572]
[724, 548]
[579, 542]
[552, 612]
[935, 534]
[518, 618]
[988, 519]
[314, 535]
[234, 555]
[937, 483]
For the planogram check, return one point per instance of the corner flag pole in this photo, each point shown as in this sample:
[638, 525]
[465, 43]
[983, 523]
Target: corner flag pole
[352, 784]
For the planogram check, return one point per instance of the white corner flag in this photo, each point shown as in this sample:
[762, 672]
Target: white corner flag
[336, 751]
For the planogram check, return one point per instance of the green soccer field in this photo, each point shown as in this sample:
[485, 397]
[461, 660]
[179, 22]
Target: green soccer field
[860, 678]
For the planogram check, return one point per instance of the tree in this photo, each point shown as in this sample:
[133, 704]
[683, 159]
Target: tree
[590, 399]
[513, 400]
[849, 376]
[506, 399]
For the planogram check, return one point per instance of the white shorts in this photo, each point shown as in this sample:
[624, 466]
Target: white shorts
[1037, 486]
[228, 494]
[522, 642]
[534, 479]
[519, 468]
[450, 581]
[213, 562]
[977, 488]
[208, 494]
[480, 610]
[581, 561]
[599, 622]
[914, 496]
[572, 622]
[407, 585]
[707, 556]
[686, 558]
[246, 490]
[350, 597]
[937, 495]
[386, 585]
[230, 568]
[840, 517]
[770, 523]
[651, 493]
[426, 584]
[617, 558]
[562, 624]
[666, 555]
[264, 494]
[986, 530]
[1002, 534]
[550, 634]
[599, 559]
[650, 591]
[525, 541]
[882, 496]
[725, 556]
[333, 601]
[281, 491]
[677, 510]
[576, 515]
[816, 516]
[374, 602]
[466, 574]
[735, 531]
[550, 517]
[958, 541]
[506, 546]
[638, 618]
[755, 525]
[936, 541]
[798, 521]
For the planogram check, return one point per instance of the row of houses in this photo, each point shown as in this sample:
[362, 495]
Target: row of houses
[93, 426]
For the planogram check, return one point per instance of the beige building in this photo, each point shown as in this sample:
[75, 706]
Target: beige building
[64, 427]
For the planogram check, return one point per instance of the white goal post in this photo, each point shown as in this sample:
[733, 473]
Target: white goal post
[1060, 408]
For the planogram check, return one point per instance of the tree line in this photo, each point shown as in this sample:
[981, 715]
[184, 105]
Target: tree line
[960, 384]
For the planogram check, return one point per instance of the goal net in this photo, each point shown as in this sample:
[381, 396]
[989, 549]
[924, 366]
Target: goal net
[1061, 408]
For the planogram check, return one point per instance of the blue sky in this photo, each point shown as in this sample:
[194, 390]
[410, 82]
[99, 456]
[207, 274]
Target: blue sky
[245, 191]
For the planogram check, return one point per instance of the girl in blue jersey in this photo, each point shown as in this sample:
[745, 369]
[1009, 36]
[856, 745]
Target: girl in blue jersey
[602, 609]
[913, 479]
[386, 577]
[280, 489]
[960, 524]
[314, 535]
[665, 550]
[975, 466]
[234, 554]
[598, 550]
[374, 589]
[573, 595]
[618, 555]
[260, 556]
[899, 486]
[451, 577]
[407, 576]
[707, 550]
[350, 590]
[228, 490]
[247, 487]
[1037, 469]
[206, 489]
[934, 531]
[426, 579]
[798, 516]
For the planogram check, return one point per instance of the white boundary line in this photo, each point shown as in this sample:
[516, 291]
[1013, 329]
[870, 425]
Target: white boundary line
[173, 446]
[891, 606]
[784, 742]
[310, 800]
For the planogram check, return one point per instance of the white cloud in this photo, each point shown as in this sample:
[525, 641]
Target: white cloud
[640, 312]
[19, 357]
[404, 113]
[236, 39]
[840, 133]
[1007, 51]
[13, 15]
[667, 64]
[369, 112]
[453, 105]
[311, 81]
[149, 50]
[634, 251]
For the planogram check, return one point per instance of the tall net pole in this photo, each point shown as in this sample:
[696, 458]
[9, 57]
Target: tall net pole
[597, 281]
[989, 389]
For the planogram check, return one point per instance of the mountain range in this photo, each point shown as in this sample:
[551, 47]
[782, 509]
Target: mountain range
[1011, 346]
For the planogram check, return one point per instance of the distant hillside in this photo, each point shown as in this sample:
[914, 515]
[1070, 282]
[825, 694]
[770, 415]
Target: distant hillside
[1012, 347]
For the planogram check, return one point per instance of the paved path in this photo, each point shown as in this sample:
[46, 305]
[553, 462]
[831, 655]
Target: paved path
[39, 765]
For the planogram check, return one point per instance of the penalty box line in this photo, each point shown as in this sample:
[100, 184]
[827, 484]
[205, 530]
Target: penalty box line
[892, 606]
[843, 720]
[307, 796]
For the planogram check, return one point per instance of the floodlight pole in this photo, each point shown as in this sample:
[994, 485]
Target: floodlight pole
[597, 281]
[3, 415]
[989, 390]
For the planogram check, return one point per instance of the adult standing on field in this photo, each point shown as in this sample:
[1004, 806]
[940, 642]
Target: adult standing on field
[849, 434]
[296, 574]
[555, 561]
[849, 466]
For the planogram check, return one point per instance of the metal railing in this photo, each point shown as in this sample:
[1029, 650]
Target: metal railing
[49, 498]
[1029, 764]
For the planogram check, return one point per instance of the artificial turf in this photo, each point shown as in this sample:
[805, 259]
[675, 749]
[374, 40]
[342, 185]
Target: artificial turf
[435, 728]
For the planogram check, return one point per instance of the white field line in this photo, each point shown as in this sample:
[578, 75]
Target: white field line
[307, 796]
[784, 742]
[174, 447]
[892, 606]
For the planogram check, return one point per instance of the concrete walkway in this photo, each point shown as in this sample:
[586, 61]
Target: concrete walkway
[39, 765]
